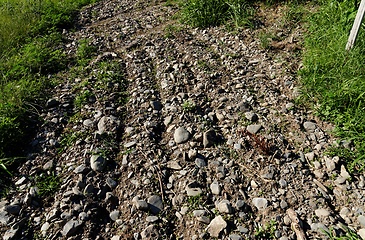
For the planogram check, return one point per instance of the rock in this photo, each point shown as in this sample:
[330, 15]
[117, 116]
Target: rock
[234, 237]
[150, 233]
[203, 219]
[21, 181]
[111, 183]
[361, 233]
[11, 234]
[198, 213]
[130, 144]
[97, 163]
[88, 123]
[45, 227]
[215, 188]
[344, 173]
[155, 204]
[102, 124]
[283, 204]
[4, 218]
[174, 165]
[81, 169]
[321, 212]
[330, 164]
[251, 116]
[52, 103]
[156, 105]
[193, 189]
[225, 207]
[70, 228]
[114, 215]
[200, 163]
[152, 219]
[209, 138]
[254, 128]
[181, 135]
[240, 204]
[260, 203]
[309, 126]
[361, 220]
[13, 209]
[216, 226]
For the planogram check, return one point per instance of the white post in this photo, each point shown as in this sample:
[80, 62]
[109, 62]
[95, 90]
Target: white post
[356, 26]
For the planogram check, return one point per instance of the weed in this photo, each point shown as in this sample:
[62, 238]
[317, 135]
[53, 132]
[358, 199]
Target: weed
[84, 52]
[266, 232]
[333, 78]
[188, 106]
[258, 142]
[205, 13]
[195, 201]
[348, 235]
[47, 184]
[82, 98]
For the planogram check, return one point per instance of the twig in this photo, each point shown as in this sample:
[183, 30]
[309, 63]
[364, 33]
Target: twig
[295, 223]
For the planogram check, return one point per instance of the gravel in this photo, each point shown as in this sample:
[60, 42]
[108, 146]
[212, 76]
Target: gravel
[208, 143]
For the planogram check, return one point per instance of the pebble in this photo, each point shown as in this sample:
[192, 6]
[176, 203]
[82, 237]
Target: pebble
[361, 233]
[240, 204]
[225, 207]
[97, 163]
[215, 188]
[198, 213]
[361, 220]
[155, 204]
[70, 228]
[13, 209]
[200, 163]
[150, 233]
[209, 138]
[152, 219]
[203, 219]
[114, 215]
[181, 135]
[260, 203]
[11, 234]
[254, 128]
[251, 116]
[321, 212]
[309, 126]
[216, 226]
[234, 237]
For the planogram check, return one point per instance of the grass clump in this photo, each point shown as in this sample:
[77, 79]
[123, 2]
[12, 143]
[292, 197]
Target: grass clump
[205, 13]
[48, 184]
[332, 78]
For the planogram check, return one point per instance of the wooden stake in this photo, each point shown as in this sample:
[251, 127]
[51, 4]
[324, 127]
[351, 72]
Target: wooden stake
[356, 26]
[295, 223]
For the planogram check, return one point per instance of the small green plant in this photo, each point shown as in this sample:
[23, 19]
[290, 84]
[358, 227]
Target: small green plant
[85, 52]
[188, 106]
[348, 235]
[266, 232]
[47, 184]
[171, 30]
[82, 98]
[195, 201]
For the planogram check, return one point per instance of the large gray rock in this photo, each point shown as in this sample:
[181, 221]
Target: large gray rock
[181, 135]
[70, 228]
[254, 128]
[216, 226]
[97, 163]
[155, 204]
[260, 203]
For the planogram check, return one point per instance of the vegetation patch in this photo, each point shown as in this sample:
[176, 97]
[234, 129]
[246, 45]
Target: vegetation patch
[333, 79]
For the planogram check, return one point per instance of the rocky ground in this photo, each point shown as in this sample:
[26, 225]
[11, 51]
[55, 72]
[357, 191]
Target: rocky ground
[173, 132]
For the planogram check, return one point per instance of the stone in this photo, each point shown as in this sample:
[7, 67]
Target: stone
[215, 188]
[13, 209]
[97, 163]
[198, 213]
[209, 138]
[309, 126]
[21, 181]
[254, 128]
[216, 226]
[225, 207]
[234, 237]
[361, 233]
[240, 204]
[156, 105]
[70, 228]
[200, 163]
[181, 135]
[111, 182]
[344, 173]
[152, 219]
[11, 234]
[203, 219]
[102, 124]
[81, 169]
[150, 233]
[88, 123]
[330, 164]
[260, 203]
[114, 215]
[251, 116]
[321, 212]
[52, 103]
[361, 220]
[174, 165]
[155, 204]
[4, 218]
[45, 226]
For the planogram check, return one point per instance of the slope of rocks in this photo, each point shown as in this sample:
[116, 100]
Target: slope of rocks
[183, 134]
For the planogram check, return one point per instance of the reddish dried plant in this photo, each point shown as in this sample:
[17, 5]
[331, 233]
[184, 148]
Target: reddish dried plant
[256, 141]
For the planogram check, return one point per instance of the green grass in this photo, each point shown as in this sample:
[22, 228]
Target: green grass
[205, 13]
[333, 79]
[47, 184]
[30, 55]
